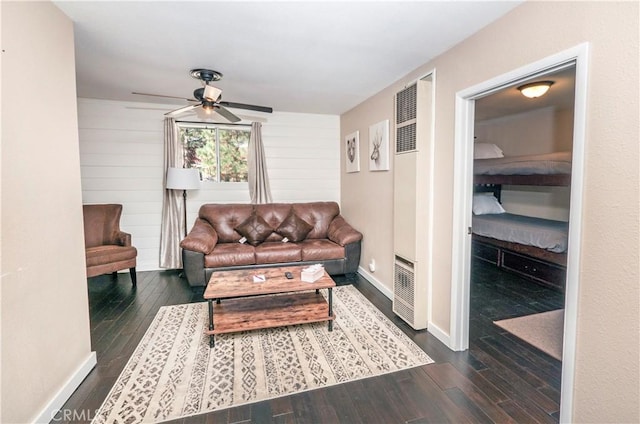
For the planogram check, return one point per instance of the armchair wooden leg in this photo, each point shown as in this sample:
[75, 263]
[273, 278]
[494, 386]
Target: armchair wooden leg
[132, 271]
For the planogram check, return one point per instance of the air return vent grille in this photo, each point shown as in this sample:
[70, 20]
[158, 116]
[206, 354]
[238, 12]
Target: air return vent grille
[406, 113]
[406, 104]
[406, 138]
[403, 289]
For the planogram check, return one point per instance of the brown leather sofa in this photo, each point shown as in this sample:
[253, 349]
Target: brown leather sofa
[107, 249]
[237, 236]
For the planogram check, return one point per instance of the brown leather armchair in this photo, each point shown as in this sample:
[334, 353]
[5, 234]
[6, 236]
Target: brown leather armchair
[107, 249]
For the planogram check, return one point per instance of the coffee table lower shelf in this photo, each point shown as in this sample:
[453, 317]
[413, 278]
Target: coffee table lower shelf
[267, 311]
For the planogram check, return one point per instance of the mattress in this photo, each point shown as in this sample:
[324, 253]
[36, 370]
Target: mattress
[546, 164]
[538, 232]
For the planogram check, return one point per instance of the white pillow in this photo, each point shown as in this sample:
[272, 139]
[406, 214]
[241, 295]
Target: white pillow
[486, 203]
[486, 151]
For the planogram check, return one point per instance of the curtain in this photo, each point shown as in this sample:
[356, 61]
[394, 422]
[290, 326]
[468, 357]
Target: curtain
[258, 178]
[171, 230]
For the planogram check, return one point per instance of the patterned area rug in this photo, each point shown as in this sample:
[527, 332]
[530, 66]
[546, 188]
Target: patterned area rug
[173, 373]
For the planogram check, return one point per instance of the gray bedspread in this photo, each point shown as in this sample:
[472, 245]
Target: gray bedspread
[538, 232]
[546, 164]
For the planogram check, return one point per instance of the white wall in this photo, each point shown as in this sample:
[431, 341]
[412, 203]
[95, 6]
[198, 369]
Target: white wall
[121, 156]
[534, 132]
[46, 345]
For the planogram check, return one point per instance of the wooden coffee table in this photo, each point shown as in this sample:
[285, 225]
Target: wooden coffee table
[276, 302]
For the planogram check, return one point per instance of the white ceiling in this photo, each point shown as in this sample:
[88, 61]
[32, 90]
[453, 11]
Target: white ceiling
[313, 57]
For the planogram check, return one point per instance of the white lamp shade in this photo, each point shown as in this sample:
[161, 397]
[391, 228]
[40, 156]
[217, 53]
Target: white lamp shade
[183, 179]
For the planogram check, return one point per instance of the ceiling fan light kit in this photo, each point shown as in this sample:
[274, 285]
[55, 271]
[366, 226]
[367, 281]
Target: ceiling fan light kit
[211, 93]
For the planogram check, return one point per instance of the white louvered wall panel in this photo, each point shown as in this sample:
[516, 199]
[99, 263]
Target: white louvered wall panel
[121, 156]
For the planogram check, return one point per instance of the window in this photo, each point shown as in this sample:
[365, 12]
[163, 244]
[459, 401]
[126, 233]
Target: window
[219, 152]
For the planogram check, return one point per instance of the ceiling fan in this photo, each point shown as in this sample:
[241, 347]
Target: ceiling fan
[209, 98]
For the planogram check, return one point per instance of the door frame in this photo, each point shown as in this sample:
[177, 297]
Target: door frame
[462, 202]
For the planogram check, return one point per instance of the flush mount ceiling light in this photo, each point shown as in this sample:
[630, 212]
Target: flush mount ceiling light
[535, 89]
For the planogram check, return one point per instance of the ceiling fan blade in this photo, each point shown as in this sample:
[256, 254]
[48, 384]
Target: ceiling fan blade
[252, 118]
[181, 110]
[225, 113]
[246, 106]
[162, 95]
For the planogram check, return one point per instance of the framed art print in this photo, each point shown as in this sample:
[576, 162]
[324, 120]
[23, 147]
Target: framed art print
[352, 150]
[379, 146]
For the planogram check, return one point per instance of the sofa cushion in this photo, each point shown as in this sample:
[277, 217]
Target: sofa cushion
[224, 218]
[108, 253]
[277, 252]
[319, 250]
[294, 228]
[319, 215]
[273, 213]
[230, 254]
[255, 229]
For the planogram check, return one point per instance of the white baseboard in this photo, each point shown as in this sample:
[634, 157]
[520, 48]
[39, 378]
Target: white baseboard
[376, 283]
[436, 331]
[58, 401]
[439, 334]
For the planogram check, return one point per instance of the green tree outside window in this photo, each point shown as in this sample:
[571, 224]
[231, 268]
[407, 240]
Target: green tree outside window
[218, 152]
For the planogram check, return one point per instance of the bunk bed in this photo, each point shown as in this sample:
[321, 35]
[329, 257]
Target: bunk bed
[531, 247]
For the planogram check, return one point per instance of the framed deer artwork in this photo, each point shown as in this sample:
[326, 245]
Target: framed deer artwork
[379, 146]
[352, 150]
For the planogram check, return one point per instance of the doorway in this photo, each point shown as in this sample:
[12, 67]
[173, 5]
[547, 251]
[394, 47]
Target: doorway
[520, 222]
[463, 189]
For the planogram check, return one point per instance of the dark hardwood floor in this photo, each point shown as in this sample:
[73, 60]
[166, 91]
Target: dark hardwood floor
[500, 379]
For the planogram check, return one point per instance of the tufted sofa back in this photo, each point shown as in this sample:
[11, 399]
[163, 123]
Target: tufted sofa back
[224, 218]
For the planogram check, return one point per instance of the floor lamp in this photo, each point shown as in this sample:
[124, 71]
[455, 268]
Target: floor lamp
[183, 179]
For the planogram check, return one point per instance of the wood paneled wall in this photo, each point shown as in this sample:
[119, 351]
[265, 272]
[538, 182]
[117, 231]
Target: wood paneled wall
[121, 156]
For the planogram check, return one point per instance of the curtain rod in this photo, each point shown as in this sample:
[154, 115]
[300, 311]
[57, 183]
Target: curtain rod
[213, 123]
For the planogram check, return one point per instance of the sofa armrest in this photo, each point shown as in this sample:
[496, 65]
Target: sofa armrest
[123, 239]
[342, 233]
[352, 253]
[202, 238]
[193, 268]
